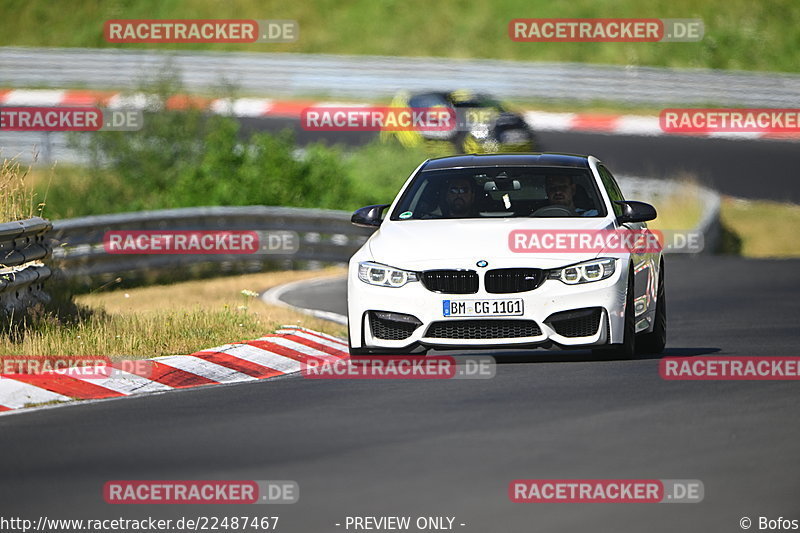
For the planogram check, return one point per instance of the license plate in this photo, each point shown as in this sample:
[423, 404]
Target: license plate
[509, 307]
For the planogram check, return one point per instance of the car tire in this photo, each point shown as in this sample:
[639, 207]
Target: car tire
[656, 341]
[626, 350]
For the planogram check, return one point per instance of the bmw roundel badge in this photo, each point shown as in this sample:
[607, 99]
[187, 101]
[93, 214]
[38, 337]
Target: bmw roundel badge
[482, 263]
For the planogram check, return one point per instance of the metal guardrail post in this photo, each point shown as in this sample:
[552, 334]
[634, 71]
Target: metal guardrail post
[23, 247]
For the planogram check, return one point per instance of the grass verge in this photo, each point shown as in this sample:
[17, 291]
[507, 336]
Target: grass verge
[167, 319]
[739, 34]
[679, 211]
[762, 228]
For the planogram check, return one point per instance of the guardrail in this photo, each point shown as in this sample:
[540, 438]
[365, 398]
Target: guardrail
[40, 147]
[23, 247]
[371, 76]
[324, 236]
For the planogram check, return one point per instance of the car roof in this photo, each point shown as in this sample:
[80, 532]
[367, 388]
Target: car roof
[456, 96]
[448, 94]
[508, 160]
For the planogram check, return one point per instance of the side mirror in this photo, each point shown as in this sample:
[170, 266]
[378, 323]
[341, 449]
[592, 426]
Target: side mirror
[635, 211]
[368, 216]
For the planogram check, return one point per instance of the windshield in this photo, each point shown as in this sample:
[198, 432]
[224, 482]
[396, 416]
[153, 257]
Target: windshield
[501, 192]
[438, 99]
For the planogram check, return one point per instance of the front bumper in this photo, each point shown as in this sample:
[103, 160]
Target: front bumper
[589, 314]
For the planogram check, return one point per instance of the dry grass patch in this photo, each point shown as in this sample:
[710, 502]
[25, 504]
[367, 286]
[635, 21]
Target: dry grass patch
[171, 319]
[17, 199]
[765, 228]
[681, 211]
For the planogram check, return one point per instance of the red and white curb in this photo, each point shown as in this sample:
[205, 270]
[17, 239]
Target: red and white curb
[612, 124]
[239, 107]
[641, 125]
[278, 354]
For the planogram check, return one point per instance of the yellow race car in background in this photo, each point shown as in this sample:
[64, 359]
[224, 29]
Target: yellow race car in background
[483, 124]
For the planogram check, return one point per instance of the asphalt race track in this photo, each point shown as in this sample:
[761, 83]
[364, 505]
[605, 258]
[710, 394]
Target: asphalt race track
[766, 169]
[450, 448]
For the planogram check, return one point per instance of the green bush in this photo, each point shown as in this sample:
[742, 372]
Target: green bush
[187, 158]
[182, 160]
[379, 170]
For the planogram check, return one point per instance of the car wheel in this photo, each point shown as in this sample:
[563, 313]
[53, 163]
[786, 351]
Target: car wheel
[626, 350]
[654, 342]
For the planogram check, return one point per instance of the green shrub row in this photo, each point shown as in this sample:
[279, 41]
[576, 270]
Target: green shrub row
[185, 159]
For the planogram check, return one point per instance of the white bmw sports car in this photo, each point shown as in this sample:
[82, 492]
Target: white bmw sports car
[507, 250]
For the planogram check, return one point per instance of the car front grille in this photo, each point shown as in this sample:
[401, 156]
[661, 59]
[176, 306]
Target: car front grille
[390, 330]
[580, 323]
[508, 280]
[450, 281]
[483, 329]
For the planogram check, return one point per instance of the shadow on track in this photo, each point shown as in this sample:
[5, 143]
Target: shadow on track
[579, 356]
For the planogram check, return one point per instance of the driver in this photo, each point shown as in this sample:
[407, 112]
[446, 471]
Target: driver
[459, 198]
[561, 192]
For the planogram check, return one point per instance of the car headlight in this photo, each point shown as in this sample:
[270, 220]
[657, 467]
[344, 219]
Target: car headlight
[594, 270]
[384, 276]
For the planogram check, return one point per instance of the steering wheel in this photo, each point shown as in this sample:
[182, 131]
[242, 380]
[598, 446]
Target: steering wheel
[553, 211]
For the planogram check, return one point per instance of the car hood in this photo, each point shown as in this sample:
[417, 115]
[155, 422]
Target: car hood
[425, 244]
